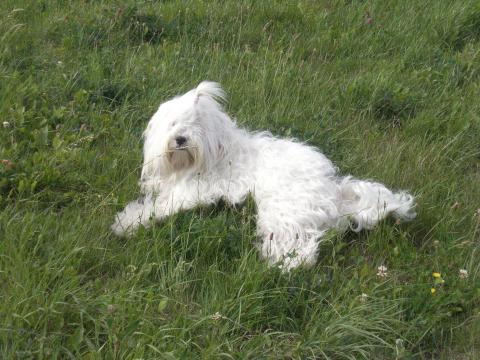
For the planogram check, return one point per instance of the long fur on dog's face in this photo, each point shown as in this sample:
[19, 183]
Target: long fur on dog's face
[185, 134]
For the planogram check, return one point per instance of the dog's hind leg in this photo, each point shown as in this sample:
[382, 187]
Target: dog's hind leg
[289, 249]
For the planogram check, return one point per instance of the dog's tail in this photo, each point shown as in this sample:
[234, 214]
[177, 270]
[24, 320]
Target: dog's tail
[366, 203]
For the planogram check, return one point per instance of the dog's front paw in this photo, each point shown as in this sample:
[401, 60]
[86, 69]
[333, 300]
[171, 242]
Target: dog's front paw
[121, 227]
[118, 228]
[136, 213]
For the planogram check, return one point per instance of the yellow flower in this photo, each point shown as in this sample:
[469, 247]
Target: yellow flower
[432, 290]
[436, 275]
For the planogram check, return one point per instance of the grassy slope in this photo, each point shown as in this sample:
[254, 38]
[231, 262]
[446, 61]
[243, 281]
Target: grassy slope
[388, 90]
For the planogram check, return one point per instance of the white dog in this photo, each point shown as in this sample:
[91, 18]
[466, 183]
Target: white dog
[194, 154]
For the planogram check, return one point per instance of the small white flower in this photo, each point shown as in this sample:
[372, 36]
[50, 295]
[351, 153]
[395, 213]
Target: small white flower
[463, 274]
[217, 316]
[399, 348]
[6, 124]
[363, 298]
[382, 271]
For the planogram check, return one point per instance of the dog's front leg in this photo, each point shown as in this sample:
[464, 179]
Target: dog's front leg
[179, 200]
[145, 209]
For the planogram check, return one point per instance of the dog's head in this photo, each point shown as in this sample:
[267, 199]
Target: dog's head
[186, 133]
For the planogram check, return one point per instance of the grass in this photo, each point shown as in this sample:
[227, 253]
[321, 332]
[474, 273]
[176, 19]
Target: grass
[388, 90]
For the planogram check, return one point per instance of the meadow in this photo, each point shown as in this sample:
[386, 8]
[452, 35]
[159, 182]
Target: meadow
[389, 90]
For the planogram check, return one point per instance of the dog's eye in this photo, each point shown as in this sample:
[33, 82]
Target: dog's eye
[173, 124]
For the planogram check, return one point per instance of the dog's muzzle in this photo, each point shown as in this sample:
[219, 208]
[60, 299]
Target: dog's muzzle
[180, 154]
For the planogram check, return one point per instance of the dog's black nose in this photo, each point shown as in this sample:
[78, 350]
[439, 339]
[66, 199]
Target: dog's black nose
[181, 140]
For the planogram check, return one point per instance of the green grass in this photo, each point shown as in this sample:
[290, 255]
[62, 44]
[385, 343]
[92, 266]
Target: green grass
[389, 90]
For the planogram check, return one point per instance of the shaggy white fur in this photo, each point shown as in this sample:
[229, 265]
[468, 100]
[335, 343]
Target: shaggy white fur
[195, 154]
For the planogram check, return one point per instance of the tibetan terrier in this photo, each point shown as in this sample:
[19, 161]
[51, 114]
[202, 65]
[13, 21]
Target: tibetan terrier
[194, 154]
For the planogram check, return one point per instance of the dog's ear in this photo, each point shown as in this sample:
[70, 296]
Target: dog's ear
[147, 130]
[211, 90]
